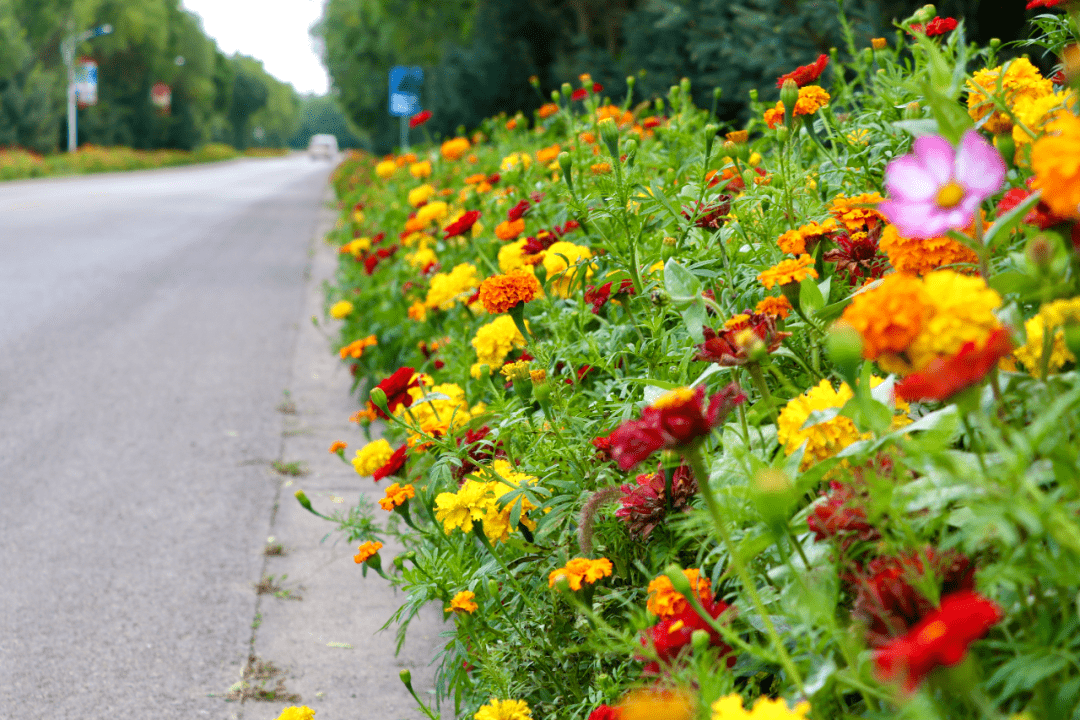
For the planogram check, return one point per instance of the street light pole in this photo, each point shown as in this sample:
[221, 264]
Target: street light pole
[67, 48]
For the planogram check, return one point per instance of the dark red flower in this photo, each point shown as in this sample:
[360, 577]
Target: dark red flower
[1059, 78]
[603, 447]
[419, 118]
[709, 214]
[842, 516]
[568, 226]
[1043, 3]
[1041, 215]
[370, 261]
[645, 505]
[538, 244]
[944, 377]
[597, 87]
[493, 178]
[462, 225]
[397, 388]
[605, 712]
[887, 599]
[937, 26]
[857, 255]
[677, 419]
[730, 347]
[940, 638]
[518, 210]
[579, 94]
[479, 451]
[805, 74]
[671, 637]
[598, 296]
[651, 122]
[393, 465]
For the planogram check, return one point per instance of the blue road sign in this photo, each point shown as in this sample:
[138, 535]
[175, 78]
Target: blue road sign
[405, 85]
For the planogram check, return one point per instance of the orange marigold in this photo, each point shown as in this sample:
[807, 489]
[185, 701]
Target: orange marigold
[338, 445]
[600, 168]
[1055, 158]
[854, 213]
[920, 256]
[581, 569]
[890, 316]
[355, 349]
[509, 229]
[546, 155]
[811, 99]
[366, 551]
[795, 241]
[499, 293]
[788, 271]
[396, 495]
[463, 602]
[777, 306]
[665, 601]
[547, 110]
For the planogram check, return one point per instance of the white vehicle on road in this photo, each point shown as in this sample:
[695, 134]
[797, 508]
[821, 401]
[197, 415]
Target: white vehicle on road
[323, 146]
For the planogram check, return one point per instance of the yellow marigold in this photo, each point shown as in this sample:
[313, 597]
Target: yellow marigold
[879, 43]
[890, 316]
[738, 136]
[1055, 315]
[504, 480]
[547, 110]
[367, 551]
[777, 306]
[355, 247]
[664, 601]
[386, 169]
[355, 349]
[341, 309]
[730, 707]
[600, 168]
[448, 288]
[559, 259]
[423, 257]
[794, 241]
[510, 229]
[420, 170]
[546, 155]
[824, 439]
[581, 570]
[655, 704]
[463, 602]
[1021, 80]
[514, 159]
[436, 410]
[420, 195]
[919, 256]
[302, 712]
[463, 508]
[455, 148]
[849, 211]
[511, 257]
[504, 710]
[396, 495]
[499, 293]
[372, 456]
[788, 271]
[1037, 113]
[494, 341]
[433, 211]
[1055, 158]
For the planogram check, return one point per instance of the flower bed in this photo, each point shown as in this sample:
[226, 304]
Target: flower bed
[19, 164]
[777, 421]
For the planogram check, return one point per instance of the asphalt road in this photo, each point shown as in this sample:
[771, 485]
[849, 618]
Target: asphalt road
[147, 322]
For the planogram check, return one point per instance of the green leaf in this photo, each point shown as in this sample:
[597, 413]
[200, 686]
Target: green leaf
[1004, 224]
[810, 298]
[918, 128]
[681, 284]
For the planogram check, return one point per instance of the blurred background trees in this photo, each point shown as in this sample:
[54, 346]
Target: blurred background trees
[478, 55]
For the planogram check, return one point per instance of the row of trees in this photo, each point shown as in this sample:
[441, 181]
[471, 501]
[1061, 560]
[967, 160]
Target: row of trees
[215, 98]
[478, 55]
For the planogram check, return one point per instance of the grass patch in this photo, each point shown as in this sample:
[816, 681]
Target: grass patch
[261, 681]
[292, 469]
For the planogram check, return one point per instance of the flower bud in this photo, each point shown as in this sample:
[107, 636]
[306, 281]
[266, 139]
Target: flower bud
[630, 80]
[679, 580]
[377, 397]
[844, 345]
[789, 95]
[782, 133]
[534, 81]
[567, 89]
[994, 43]
[699, 640]
[1040, 251]
[753, 95]
[716, 93]
[912, 111]
[668, 247]
[609, 133]
[555, 96]
[659, 106]
[493, 587]
[774, 496]
[867, 55]
[710, 138]
[566, 163]
[631, 147]
[303, 500]
[924, 14]
[406, 678]
[684, 87]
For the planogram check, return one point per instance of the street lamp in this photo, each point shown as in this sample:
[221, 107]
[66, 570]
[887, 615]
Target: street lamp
[67, 47]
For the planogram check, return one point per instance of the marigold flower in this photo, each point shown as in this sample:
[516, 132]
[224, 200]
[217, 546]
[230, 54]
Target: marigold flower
[393, 464]
[514, 159]
[788, 271]
[1041, 216]
[421, 169]
[341, 309]
[941, 638]
[462, 225]
[811, 99]
[463, 602]
[730, 708]
[546, 155]
[494, 341]
[455, 148]
[396, 495]
[644, 505]
[654, 703]
[946, 376]
[1037, 113]
[709, 214]
[302, 712]
[665, 601]
[600, 168]
[561, 262]
[857, 213]
[806, 237]
[599, 296]
[937, 26]
[738, 136]
[397, 388]
[1032, 4]
[1020, 80]
[1055, 315]
[504, 710]
[677, 419]
[805, 74]
[386, 169]
[355, 349]
[446, 289]
[937, 187]
[499, 293]
[509, 229]
[337, 445]
[367, 551]
[420, 195]
[879, 43]
[605, 712]
[581, 570]
[1055, 158]
[372, 456]
[671, 637]
[842, 515]
[735, 344]
[919, 256]
[547, 110]
[779, 307]
[419, 118]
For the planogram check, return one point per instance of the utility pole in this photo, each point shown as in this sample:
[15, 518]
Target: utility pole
[67, 48]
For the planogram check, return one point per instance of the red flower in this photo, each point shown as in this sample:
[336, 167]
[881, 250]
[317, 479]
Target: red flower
[372, 260]
[651, 122]
[1043, 3]
[598, 296]
[841, 516]
[397, 388]
[605, 712]
[709, 215]
[941, 638]
[479, 450]
[518, 210]
[419, 118]
[462, 225]
[728, 348]
[493, 178]
[568, 226]
[937, 26]
[944, 377]
[671, 638]
[645, 505]
[597, 87]
[603, 447]
[887, 600]
[805, 74]
[579, 94]
[676, 420]
[393, 465]
[1041, 215]
[857, 256]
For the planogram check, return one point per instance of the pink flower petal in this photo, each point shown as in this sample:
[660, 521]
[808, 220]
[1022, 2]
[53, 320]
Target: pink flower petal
[915, 220]
[907, 179]
[937, 155]
[979, 167]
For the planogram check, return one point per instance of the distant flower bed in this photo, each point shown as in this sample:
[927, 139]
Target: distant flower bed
[775, 421]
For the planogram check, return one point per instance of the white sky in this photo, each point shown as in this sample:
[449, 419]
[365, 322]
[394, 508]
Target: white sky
[274, 32]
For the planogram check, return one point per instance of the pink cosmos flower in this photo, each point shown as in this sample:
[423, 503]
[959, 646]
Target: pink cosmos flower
[938, 187]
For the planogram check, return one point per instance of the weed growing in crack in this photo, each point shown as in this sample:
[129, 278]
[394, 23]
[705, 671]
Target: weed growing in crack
[255, 683]
[271, 585]
[292, 469]
[287, 406]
